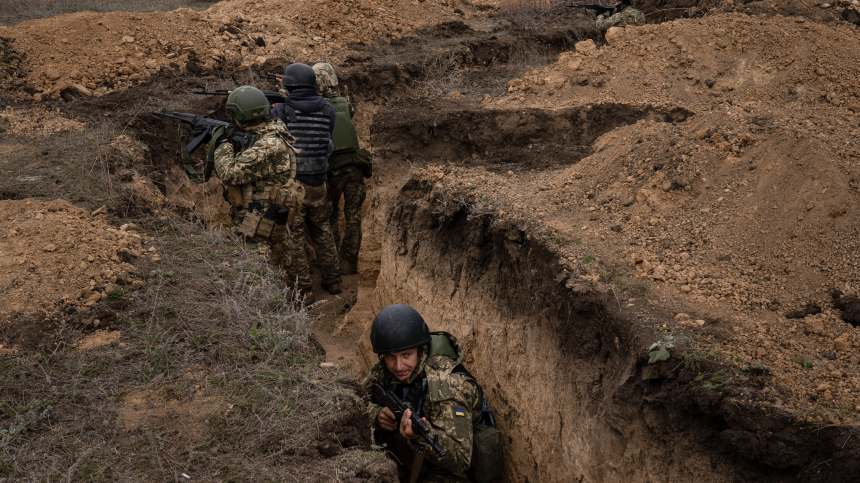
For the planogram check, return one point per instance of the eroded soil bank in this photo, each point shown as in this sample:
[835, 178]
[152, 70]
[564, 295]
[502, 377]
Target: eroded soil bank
[564, 366]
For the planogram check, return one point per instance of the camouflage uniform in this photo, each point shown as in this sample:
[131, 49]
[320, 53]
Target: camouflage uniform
[628, 16]
[291, 255]
[350, 185]
[267, 162]
[446, 396]
[344, 177]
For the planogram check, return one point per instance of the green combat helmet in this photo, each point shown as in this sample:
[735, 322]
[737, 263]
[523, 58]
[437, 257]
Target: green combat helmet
[326, 78]
[248, 105]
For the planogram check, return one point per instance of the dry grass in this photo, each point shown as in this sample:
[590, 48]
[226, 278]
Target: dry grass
[442, 74]
[13, 12]
[535, 13]
[215, 376]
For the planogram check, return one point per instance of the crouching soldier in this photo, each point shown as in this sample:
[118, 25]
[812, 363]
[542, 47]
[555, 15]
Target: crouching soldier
[421, 372]
[625, 14]
[260, 181]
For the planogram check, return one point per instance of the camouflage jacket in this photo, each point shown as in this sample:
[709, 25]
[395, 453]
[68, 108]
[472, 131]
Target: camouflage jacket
[452, 402]
[268, 160]
[628, 16]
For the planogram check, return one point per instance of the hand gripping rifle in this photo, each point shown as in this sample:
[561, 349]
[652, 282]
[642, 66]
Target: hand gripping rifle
[597, 8]
[389, 400]
[273, 97]
[207, 131]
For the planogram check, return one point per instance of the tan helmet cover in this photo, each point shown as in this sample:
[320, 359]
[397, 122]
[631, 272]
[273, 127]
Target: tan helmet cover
[326, 77]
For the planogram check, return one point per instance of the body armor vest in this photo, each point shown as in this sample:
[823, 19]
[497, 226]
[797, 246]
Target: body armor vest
[313, 137]
[345, 137]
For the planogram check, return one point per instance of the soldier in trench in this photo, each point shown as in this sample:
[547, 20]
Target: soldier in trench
[260, 181]
[347, 168]
[310, 119]
[424, 370]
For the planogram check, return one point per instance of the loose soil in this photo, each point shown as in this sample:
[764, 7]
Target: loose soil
[558, 202]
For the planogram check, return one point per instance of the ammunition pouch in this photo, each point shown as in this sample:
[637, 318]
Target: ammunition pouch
[234, 196]
[269, 209]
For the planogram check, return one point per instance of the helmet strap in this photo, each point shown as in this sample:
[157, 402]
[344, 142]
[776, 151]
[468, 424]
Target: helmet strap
[419, 368]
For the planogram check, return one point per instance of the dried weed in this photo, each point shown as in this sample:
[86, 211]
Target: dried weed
[215, 376]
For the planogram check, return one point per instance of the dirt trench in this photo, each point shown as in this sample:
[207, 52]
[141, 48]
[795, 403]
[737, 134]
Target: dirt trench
[565, 371]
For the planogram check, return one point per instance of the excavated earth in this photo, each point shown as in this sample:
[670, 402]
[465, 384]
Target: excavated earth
[569, 208]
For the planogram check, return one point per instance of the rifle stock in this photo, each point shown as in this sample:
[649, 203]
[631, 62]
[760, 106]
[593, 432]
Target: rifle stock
[387, 399]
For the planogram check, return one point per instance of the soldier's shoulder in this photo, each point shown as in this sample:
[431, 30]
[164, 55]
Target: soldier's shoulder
[441, 363]
[374, 375]
[273, 128]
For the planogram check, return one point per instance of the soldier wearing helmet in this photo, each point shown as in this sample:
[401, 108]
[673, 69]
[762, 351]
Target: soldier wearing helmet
[625, 14]
[345, 176]
[310, 119]
[254, 177]
[423, 369]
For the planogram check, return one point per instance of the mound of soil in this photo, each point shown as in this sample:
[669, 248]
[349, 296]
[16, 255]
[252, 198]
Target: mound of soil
[58, 256]
[738, 214]
[44, 58]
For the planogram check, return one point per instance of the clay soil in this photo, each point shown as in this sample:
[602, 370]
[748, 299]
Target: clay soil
[697, 177]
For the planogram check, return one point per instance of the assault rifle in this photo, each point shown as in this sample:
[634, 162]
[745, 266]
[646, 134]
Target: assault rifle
[388, 399]
[597, 8]
[203, 130]
[273, 77]
[273, 97]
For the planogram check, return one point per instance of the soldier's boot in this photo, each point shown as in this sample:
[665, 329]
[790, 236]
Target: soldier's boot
[348, 268]
[333, 288]
[306, 295]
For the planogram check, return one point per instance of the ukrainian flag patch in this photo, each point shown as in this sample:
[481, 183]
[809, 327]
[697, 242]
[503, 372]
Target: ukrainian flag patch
[459, 412]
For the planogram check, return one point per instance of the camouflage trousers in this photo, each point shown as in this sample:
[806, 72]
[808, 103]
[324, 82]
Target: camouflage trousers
[351, 186]
[628, 16]
[290, 254]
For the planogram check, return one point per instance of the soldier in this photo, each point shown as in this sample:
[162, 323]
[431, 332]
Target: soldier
[423, 369]
[260, 180]
[625, 14]
[311, 120]
[345, 178]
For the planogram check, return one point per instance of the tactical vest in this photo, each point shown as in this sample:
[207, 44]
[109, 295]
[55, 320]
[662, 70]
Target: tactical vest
[313, 136]
[268, 209]
[344, 137]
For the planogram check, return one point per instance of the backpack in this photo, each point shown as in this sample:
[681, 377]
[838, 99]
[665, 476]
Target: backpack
[487, 443]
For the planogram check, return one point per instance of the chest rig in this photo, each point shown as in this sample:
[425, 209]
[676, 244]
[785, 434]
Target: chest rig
[267, 210]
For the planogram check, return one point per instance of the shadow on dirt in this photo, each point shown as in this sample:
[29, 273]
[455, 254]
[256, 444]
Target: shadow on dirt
[448, 131]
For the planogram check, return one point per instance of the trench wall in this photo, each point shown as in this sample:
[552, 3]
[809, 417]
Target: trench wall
[565, 374]
[559, 368]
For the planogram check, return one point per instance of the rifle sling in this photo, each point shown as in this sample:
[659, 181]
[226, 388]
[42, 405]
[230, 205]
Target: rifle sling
[192, 174]
[186, 150]
[417, 462]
